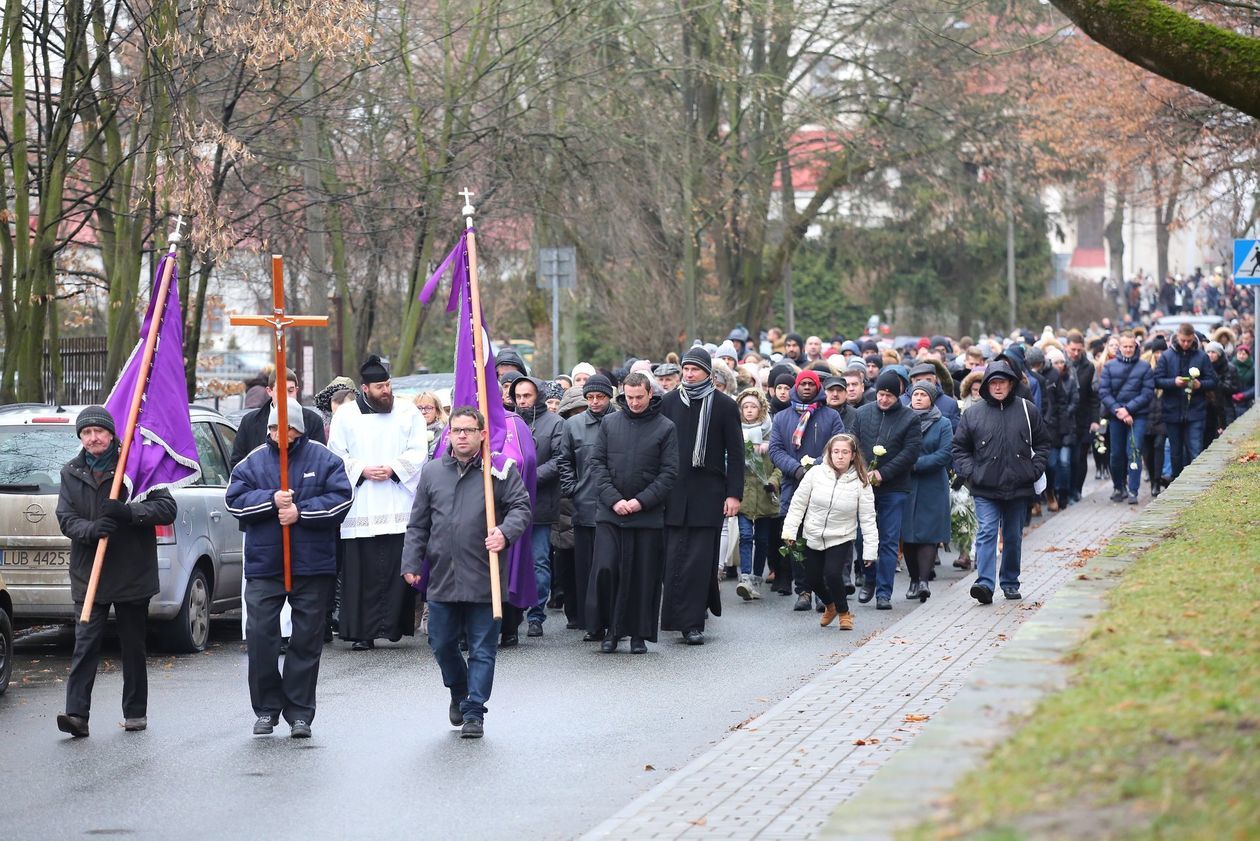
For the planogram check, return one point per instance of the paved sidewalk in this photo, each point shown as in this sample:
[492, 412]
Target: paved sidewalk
[781, 775]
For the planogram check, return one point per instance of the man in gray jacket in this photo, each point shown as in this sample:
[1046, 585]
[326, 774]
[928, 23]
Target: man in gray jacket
[444, 543]
[578, 484]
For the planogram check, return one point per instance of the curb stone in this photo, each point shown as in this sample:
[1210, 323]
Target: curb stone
[996, 699]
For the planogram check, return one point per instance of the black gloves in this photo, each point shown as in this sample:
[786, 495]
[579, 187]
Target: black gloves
[799, 474]
[958, 483]
[771, 489]
[103, 527]
[116, 511]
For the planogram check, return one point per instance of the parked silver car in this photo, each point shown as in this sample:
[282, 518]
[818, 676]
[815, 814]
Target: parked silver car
[199, 555]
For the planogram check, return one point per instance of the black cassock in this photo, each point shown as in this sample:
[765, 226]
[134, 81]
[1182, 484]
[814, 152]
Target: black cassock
[624, 590]
[693, 515]
[375, 601]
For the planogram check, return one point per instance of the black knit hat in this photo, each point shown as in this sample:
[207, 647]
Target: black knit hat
[699, 357]
[889, 381]
[373, 370]
[786, 378]
[95, 416]
[598, 384]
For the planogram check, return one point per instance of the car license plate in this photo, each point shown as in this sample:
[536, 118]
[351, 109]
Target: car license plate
[35, 558]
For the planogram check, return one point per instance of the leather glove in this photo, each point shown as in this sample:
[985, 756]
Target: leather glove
[799, 474]
[117, 511]
[104, 527]
[958, 482]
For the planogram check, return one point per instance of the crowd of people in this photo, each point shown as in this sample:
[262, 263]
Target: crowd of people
[808, 468]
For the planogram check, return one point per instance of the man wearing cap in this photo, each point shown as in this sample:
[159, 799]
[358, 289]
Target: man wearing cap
[252, 431]
[383, 444]
[1000, 450]
[893, 428]
[546, 428]
[799, 433]
[313, 508]
[129, 574]
[708, 490]
[577, 442]
[837, 394]
[927, 372]
[668, 375]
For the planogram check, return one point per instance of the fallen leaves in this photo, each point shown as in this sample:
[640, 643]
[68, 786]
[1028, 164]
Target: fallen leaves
[871, 740]
[1248, 456]
[911, 717]
[649, 767]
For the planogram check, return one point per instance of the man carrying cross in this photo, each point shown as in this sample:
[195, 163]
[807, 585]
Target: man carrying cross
[384, 445]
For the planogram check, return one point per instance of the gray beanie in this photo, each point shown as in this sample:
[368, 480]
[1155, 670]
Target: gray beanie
[94, 416]
[296, 419]
[699, 357]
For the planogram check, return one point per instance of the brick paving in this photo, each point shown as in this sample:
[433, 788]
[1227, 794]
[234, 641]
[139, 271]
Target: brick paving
[780, 775]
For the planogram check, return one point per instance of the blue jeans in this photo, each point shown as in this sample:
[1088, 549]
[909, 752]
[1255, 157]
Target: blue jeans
[470, 682]
[1186, 441]
[1123, 456]
[754, 543]
[992, 515]
[889, 509]
[542, 571]
[1059, 469]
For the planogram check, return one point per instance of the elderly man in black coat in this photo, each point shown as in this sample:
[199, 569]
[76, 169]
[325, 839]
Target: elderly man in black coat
[129, 575]
[709, 489]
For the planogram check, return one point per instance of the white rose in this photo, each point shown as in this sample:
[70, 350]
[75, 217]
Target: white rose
[879, 450]
[1194, 372]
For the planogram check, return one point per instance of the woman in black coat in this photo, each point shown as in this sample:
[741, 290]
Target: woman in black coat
[129, 574]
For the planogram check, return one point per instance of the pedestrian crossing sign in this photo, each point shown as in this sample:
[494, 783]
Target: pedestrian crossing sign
[1247, 262]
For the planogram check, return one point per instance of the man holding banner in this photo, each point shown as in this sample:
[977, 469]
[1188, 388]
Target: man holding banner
[129, 577]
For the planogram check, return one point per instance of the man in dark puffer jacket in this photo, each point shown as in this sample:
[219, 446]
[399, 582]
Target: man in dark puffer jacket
[1001, 449]
[1126, 391]
[318, 500]
[894, 428]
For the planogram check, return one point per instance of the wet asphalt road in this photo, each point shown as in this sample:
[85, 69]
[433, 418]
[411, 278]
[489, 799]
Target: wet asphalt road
[570, 734]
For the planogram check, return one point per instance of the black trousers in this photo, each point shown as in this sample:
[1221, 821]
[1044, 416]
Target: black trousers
[583, 560]
[130, 622]
[563, 582]
[920, 558]
[291, 694]
[1080, 461]
[824, 573]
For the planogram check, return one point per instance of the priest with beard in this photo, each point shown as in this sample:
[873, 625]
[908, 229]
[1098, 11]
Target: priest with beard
[383, 444]
[709, 488]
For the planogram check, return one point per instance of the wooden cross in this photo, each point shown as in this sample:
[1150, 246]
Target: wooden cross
[278, 321]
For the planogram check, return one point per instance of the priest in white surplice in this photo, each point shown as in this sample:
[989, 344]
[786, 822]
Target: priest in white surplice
[383, 443]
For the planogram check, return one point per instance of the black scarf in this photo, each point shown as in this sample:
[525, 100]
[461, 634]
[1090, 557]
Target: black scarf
[532, 413]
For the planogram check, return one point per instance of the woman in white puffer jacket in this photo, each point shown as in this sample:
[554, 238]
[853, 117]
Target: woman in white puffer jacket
[833, 500]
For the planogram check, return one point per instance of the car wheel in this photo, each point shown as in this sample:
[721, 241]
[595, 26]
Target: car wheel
[6, 650]
[189, 632]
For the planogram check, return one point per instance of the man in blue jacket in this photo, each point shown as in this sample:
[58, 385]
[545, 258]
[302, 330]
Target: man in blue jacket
[318, 500]
[1126, 392]
[1186, 376]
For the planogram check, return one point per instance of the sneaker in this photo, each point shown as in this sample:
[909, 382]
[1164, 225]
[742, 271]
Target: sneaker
[75, 725]
[868, 590]
[299, 729]
[1118, 495]
[819, 607]
[982, 594]
[265, 725]
[1133, 499]
[454, 714]
[535, 629]
[135, 725]
[754, 583]
[883, 604]
[846, 621]
[804, 602]
[1011, 593]
[472, 729]
[744, 588]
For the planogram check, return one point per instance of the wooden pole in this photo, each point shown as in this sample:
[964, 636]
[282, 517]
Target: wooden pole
[282, 405]
[133, 413]
[483, 403]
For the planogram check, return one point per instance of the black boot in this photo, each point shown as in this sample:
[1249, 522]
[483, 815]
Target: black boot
[846, 576]
[913, 592]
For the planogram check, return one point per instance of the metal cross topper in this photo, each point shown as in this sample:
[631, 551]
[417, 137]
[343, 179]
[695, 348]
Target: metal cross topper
[279, 321]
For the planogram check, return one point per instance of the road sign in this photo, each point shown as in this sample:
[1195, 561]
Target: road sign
[1247, 262]
[557, 268]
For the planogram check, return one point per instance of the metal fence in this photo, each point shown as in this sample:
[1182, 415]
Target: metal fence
[82, 371]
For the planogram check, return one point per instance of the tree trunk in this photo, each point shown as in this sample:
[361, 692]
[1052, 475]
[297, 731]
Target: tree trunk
[1114, 233]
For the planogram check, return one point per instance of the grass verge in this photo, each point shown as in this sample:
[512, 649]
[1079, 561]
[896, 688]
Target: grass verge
[1158, 735]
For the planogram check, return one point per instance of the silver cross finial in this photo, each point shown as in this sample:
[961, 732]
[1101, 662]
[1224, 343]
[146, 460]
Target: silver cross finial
[468, 210]
[176, 236]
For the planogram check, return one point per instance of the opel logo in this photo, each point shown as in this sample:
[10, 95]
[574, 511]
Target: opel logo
[35, 512]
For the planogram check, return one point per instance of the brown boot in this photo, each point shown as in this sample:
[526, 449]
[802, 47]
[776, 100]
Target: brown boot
[1051, 501]
[846, 621]
[828, 616]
